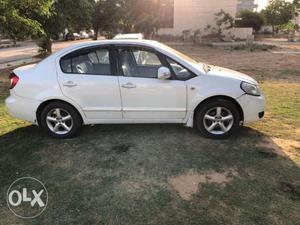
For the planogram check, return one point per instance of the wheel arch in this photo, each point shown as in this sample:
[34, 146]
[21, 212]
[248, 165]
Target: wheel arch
[212, 98]
[46, 102]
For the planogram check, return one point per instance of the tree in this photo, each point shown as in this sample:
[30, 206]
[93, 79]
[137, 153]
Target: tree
[224, 21]
[112, 16]
[107, 16]
[18, 19]
[296, 3]
[44, 19]
[74, 15]
[279, 12]
[250, 19]
[140, 16]
[145, 16]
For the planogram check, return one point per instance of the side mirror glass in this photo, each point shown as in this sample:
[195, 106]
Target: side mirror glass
[164, 73]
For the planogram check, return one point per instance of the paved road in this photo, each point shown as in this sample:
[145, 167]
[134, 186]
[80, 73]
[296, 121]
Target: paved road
[28, 50]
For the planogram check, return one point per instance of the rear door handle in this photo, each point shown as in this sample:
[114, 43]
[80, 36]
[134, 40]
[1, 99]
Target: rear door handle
[70, 84]
[129, 85]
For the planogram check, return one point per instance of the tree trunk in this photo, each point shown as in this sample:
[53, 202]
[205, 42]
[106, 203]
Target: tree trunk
[96, 30]
[49, 46]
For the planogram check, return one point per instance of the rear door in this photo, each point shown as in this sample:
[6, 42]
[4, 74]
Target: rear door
[88, 77]
[144, 96]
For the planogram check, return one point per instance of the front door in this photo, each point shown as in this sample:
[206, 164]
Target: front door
[144, 96]
[87, 77]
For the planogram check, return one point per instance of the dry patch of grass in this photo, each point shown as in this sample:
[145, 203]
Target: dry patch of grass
[281, 147]
[260, 65]
[289, 147]
[188, 184]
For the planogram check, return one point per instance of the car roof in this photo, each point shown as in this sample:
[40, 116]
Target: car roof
[119, 41]
[138, 42]
[145, 43]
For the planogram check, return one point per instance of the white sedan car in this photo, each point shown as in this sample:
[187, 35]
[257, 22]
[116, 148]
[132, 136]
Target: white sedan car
[131, 81]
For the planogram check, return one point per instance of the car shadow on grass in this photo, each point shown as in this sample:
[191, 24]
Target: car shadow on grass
[153, 174]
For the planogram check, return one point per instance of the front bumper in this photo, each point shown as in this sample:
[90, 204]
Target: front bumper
[253, 107]
[22, 108]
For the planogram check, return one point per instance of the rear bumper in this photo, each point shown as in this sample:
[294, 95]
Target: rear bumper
[22, 108]
[253, 107]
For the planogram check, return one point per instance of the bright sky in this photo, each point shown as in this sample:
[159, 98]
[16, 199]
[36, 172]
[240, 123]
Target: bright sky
[262, 4]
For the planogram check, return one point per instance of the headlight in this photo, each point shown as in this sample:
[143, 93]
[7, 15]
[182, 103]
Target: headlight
[250, 89]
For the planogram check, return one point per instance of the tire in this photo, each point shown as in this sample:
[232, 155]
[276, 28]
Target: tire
[56, 117]
[211, 120]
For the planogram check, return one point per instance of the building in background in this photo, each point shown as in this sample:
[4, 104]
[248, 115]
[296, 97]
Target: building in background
[250, 5]
[179, 15]
[166, 13]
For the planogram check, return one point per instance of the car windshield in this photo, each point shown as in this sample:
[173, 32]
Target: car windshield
[180, 54]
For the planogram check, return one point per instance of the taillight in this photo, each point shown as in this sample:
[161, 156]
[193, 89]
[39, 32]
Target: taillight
[13, 80]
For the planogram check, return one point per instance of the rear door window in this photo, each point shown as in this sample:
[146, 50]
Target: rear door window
[93, 61]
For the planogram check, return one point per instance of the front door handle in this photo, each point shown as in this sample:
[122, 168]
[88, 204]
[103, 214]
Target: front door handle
[129, 85]
[70, 84]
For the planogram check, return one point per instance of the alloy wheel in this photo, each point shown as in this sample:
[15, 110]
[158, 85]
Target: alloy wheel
[59, 121]
[218, 120]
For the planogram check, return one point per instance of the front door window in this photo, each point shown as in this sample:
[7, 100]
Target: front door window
[139, 63]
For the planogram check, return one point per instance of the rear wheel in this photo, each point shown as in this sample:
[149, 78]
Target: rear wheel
[60, 120]
[218, 118]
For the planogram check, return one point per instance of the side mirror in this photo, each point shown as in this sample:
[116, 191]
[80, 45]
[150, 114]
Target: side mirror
[164, 73]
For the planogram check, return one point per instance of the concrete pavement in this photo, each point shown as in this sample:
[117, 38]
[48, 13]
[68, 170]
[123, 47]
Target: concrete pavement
[24, 54]
[27, 50]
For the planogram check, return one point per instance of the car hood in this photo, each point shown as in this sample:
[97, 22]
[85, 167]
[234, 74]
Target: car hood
[228, 73]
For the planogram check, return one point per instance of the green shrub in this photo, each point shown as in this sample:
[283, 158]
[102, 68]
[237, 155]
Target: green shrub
[252, 47]
[250, 19]
[44, 44]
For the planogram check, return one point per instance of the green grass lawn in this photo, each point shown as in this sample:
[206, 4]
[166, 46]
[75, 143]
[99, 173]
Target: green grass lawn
[133, 174]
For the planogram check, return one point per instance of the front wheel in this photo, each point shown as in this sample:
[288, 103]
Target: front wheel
[60, 120]
[218, 119]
